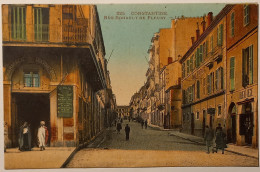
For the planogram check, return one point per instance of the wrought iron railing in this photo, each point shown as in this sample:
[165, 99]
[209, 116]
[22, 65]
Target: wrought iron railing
[73, 34]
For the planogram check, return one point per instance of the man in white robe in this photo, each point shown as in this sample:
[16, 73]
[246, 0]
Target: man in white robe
[41, 135]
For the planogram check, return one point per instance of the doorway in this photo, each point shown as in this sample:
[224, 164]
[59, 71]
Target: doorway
[32, 108]
[232, 125]
[203, 123]
[192, 123]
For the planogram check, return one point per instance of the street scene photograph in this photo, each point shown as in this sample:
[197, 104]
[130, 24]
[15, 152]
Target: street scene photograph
[129, 85]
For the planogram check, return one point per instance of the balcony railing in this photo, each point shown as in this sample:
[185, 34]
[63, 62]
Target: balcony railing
[73, 34]
[41, 32]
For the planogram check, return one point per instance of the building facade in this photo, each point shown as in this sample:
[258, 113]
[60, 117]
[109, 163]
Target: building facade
[203, 77]
[123, 112]
[54, 70]
[242, 69]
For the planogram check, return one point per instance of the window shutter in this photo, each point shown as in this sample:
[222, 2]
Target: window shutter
[243, 68]
[188, 67]
[232, 74]
[198, 56]
[218, 36]
[196, 60]
[208, 84]
[212, 44]
[198, 89]
[222, 78]
[191, 63]
[201, 53]
[206, 55]
[221, 34]
[216, 79]
[251, 61]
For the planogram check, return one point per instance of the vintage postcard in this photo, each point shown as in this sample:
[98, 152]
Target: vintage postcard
[129, 85]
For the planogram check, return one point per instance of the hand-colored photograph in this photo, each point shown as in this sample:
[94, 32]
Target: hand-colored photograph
[130, 85]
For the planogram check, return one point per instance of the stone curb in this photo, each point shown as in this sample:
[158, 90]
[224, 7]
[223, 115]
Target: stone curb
[205, 144]
[81, 146]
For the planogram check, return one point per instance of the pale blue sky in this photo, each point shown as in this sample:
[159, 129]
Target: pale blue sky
[131, 39]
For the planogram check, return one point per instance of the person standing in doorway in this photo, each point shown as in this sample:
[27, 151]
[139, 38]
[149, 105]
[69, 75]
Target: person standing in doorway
[25, 137]
[145, 124]
[127, 131]
[42, 135]
[208, 138]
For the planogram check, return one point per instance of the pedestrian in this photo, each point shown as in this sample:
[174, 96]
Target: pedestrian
[129, 118]
[115, 122]
[145, 123]
[208, 138]
[42, 134]
[118, 127]
[25, 137]
[142, 123]
[121, 120]
[127, 131]
[220, 139]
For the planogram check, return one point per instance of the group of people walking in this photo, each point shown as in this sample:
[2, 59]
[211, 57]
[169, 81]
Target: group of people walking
[144, 123]
[25, 137]
[220, 139]
[118, 124]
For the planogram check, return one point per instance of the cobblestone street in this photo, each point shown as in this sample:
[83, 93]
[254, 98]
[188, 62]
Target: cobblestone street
[150, 147]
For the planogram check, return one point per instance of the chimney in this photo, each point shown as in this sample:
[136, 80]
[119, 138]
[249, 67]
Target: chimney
[210, 18]
[197, 32]
[192, 40]
[203, 23]
[169, 60]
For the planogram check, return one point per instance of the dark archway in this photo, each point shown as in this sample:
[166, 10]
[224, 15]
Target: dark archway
[232, 124]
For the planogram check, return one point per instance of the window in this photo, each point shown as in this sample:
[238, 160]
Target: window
[198, 89]
[183, 70]
[232, 73]
[198, 115]
[219, 110]
[41, 24]
[18, 23]
[31, 79]
[204, 86]
[210, 81]
[188, 67]
[219, 79]
[220, 35]
[247, 66]
[232, 25]
[246, 15]
[191, 63]
[211, 44]
[201, 54]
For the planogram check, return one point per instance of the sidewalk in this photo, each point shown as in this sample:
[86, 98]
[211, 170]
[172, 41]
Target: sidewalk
[52, 157]
[241, 150]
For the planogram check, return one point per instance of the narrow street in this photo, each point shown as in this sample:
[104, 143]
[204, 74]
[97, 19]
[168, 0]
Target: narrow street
[151, 148]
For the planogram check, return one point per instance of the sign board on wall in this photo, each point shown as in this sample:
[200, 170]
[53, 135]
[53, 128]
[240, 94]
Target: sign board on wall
[65, 101]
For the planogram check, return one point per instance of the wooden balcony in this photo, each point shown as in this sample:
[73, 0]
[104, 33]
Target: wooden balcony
[74, 34]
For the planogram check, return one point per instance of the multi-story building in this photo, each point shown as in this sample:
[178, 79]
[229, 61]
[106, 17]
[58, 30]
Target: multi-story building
[203, 77]
[242, 74]
[54, 69]
[123, 111]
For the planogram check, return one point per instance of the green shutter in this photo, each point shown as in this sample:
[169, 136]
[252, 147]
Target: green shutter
[198, 56]
[216, 79]
[221, 34]
[198, 89]
[251, 61]
[208, 86]
[196, 60]
[218, 36]
[232, 73]
[244, 68]
[206, 49]
[201, 53]
[222, 78]
[191, 63]
[212, 44]
[188, 67]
